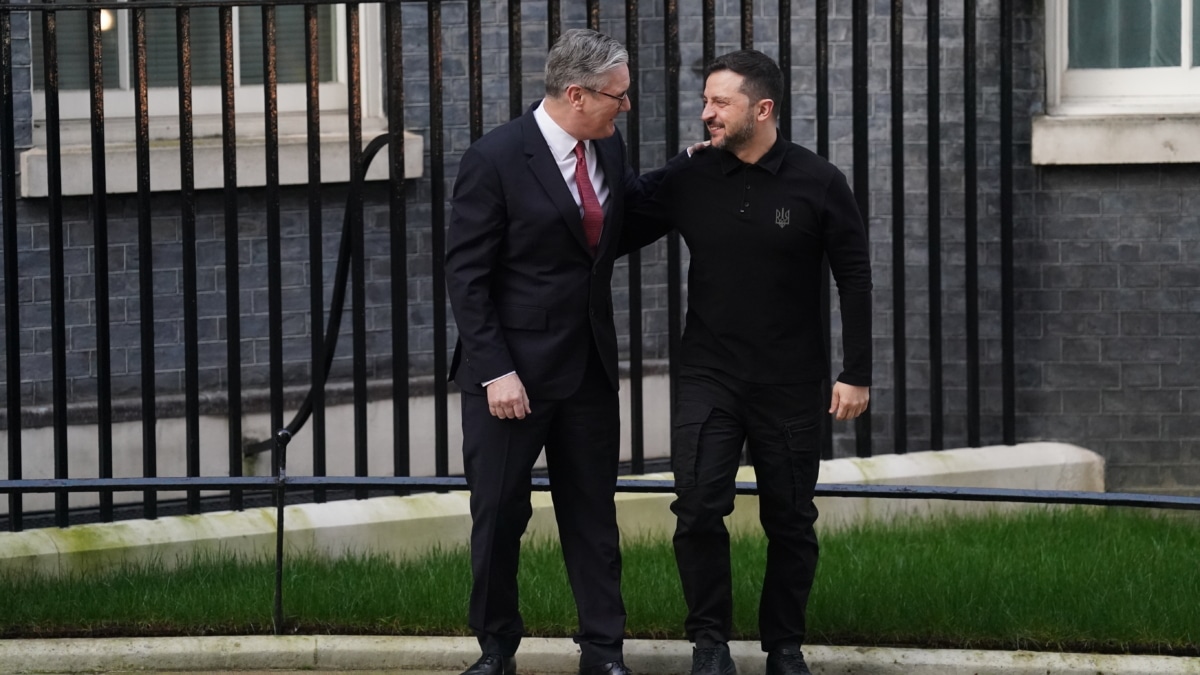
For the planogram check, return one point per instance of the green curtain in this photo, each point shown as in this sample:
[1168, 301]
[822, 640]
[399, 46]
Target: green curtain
[74, 55]
[1195, 35]
[289, 43]
[74, 52]
[162, 67]
[1124, 33]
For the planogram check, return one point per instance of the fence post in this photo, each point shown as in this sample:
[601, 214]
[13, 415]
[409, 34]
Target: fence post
[281, 440]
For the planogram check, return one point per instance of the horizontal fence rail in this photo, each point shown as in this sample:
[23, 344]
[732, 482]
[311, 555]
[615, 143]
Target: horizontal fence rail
[628, 485]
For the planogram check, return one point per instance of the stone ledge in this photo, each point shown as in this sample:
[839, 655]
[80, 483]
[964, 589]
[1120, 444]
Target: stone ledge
[208, 173]
[1115, 139]
[409, 526]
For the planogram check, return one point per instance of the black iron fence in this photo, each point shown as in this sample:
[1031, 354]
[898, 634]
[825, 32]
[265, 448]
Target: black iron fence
[350, 63]
[43, 23]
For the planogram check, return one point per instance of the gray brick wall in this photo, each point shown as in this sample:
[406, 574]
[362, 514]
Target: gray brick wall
[1108, 300]
[22, 79]
[125, 303]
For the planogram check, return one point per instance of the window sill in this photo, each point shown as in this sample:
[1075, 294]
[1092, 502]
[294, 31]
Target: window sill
[1116, 139]
[121, 164]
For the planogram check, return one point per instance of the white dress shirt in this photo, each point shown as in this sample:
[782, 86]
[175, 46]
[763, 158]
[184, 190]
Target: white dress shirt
[562, 148]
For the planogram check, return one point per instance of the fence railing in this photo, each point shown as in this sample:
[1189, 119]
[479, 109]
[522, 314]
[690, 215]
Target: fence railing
[365, 65]
[280, 484]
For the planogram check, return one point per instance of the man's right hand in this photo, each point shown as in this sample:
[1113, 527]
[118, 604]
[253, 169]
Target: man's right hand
[507, 399]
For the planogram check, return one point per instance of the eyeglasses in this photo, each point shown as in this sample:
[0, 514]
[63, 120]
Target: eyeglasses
[619, 99]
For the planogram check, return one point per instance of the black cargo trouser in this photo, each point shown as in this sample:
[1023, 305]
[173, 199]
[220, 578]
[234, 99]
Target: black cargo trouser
[715, 415]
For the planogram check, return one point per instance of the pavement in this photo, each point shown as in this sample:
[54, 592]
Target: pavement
[538, 656]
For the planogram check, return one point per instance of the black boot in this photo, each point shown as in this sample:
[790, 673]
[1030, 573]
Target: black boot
[712, 661]
[493, 664]
[787, 659]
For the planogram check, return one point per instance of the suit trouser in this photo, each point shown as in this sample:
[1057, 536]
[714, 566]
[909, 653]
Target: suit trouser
[715, 415]
[581, 435]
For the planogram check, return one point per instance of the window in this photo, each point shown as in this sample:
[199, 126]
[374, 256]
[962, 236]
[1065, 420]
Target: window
[162, 61]
[74, 59]
[1122, 56]
[1122, 83]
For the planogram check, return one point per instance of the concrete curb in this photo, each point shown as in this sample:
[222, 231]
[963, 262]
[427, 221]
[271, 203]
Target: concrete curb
[537, 655]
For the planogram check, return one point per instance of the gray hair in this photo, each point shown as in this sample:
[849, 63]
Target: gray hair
[583, 57]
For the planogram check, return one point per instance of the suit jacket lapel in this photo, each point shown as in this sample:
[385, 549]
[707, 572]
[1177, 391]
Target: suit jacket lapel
[609, 156]
[544, 167]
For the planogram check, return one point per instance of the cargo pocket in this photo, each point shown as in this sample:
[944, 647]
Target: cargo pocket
[802, 435]
[690, 417]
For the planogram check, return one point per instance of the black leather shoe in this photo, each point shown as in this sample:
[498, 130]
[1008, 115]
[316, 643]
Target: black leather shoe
[493, 664]
[712, 661]
[787, 660]
[611, 668]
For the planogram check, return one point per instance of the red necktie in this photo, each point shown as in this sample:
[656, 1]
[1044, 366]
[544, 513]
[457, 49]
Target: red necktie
[593, 214]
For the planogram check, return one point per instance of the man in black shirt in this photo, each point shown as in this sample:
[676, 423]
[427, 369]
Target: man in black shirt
[758, 213]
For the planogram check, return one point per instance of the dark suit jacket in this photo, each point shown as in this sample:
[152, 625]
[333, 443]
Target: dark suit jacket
[527, 294]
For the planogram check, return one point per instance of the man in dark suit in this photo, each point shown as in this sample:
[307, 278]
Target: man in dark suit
[535, 227]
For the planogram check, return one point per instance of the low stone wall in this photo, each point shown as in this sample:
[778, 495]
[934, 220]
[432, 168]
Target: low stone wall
[407, 526]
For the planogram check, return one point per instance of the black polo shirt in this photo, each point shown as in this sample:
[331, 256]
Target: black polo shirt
[757, 233]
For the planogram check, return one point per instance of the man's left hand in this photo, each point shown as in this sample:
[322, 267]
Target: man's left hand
[848, 401]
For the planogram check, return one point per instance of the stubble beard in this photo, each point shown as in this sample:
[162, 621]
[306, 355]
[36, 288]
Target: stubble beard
[739, 137]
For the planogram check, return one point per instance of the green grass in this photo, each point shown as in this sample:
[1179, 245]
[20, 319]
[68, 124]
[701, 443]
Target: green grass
[1091, 580]
[1086, 580]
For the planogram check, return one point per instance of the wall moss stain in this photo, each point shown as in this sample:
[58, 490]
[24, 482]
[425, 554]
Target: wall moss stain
[82, 538]
[29, 553]
[864, 468]
[425, 506]
[296, 518]
[947, 463]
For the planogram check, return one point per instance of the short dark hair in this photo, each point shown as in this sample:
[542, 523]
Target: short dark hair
[762, 77]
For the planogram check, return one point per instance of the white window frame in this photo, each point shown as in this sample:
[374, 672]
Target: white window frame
[208, 158]
[1099, 91]
[1117, 116]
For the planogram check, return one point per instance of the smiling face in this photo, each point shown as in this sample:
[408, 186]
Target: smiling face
[598, 108]
[729, 115]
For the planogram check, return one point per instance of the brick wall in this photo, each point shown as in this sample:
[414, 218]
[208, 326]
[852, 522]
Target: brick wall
[1109, 288]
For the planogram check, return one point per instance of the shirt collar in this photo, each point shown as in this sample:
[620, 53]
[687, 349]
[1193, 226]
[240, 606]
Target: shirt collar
[770, 161]
[562, 144]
